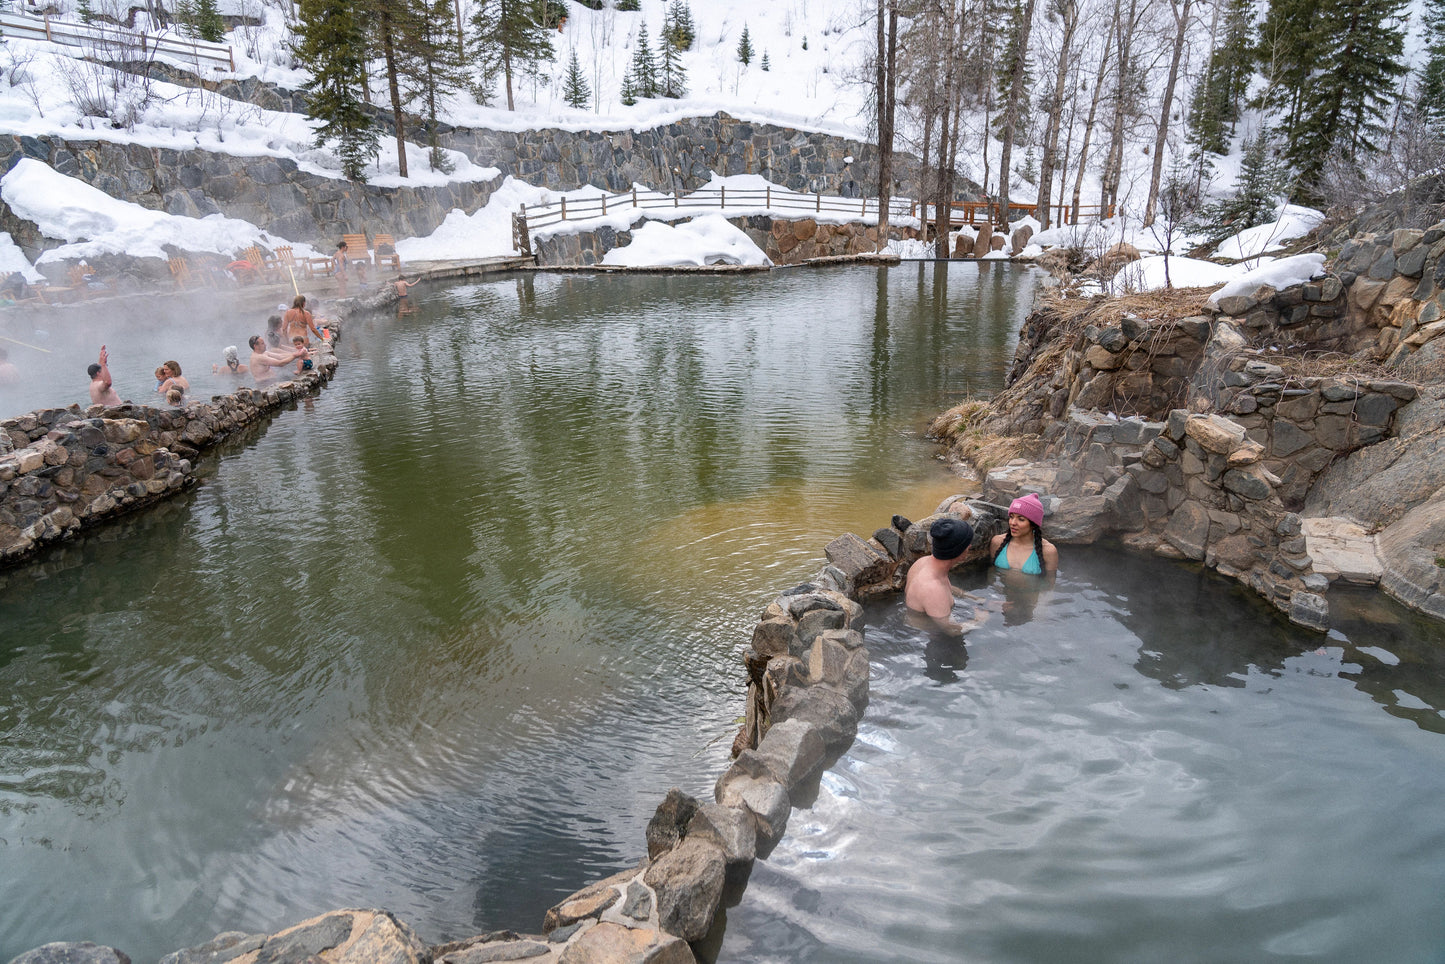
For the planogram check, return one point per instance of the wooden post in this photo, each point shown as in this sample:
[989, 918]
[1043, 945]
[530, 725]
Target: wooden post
[604, 203]
[768, 198]
[723, 195]
[564, 208]
[634, 195]
[817, 203]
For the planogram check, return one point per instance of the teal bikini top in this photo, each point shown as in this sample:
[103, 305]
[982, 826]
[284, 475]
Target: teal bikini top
[1032, 566]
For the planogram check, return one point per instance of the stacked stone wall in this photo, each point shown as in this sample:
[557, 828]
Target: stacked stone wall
[65, 469]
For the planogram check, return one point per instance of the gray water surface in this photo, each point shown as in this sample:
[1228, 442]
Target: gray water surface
[440, 639]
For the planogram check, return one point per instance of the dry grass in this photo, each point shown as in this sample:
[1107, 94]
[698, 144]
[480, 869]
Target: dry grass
[1170, 304]
[963, 429]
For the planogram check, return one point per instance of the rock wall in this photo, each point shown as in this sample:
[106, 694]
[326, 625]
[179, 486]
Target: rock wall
[272, 193]
[1218, 436]
[64, 469]
[783, 241]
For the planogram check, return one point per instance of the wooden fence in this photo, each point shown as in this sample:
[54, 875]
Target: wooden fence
[104, 37]
[971, 213]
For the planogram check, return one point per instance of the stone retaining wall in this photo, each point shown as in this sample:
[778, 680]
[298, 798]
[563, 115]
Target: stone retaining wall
[64, 469]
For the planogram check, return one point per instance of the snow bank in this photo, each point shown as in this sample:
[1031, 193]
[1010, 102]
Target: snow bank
[95, 223]
[709, 239]
[1292, 222]
[1147, 274]
[1278, 274]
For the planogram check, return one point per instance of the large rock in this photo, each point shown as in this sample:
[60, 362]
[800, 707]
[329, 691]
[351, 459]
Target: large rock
[1411, 552]
[1341, 549]
[609, 943]
[730, 828]
[688, 882]
[669, 823]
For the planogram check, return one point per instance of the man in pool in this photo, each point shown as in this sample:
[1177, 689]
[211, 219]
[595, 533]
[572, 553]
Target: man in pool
[102, 392]
[928, 590]
[264, 361]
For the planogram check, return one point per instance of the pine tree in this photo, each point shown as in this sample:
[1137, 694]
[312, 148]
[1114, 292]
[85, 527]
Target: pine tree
[209, 25]
[1219, 95]
[575, 90]
[332, 44]
[629, 5]
[745, 47]
[84, 10]
[1430, 85]
[677, 26]
[1261, 185]
[765, 65]
[1349, 93]
[644, 67]
[509, 38]
[185, 18]
[629, 88]
[431, 67]
[672, 76]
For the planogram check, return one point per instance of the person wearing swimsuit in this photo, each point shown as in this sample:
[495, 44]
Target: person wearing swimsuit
[1024, 547]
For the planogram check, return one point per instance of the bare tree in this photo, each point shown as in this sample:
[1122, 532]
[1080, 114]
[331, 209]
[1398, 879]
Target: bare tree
[887, 99]
[1181, 11]
[1017, 67]
[1068, 14]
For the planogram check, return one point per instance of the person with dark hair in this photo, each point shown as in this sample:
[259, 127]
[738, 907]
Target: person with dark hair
[102, 389]
[928, 590]
[1024, 547]
[264, 359]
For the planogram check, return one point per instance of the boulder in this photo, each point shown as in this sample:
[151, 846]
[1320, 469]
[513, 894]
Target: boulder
[610, 943]
[688, 882]
[669, 823]
[1341, 549]
[82, 952]
[730, 828]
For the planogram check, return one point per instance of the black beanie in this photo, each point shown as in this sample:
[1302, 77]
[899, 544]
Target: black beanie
[950, 538]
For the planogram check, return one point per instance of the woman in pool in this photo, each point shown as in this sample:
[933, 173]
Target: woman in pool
[1023, 547]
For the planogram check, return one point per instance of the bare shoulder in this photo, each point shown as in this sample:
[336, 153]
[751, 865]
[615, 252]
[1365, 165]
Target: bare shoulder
[1051, 555]
[996, 542]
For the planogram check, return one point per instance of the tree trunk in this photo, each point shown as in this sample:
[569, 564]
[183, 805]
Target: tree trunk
[1051, 139]
[1089, 124]
[1011, 110]
[887, 101]
[388, 49]
[1161, 136]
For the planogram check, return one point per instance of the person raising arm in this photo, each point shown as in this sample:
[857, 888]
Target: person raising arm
[102, 390]
[264, 360]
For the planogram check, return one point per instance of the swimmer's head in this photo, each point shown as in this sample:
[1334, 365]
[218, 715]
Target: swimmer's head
[950, 538]
[233, 360]
[94, 369]
[1030, 508]
[256, 340]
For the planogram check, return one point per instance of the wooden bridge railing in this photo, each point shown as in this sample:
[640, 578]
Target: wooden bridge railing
[72, 34]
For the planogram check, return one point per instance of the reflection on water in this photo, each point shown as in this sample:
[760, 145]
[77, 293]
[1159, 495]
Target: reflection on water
[440, 640]
[1154, 766]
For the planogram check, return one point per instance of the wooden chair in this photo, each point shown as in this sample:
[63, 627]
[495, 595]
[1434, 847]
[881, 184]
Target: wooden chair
[266, 268]
[287, 267]
[380, 257]
[181, 272]
[356, 248]
[82, 279]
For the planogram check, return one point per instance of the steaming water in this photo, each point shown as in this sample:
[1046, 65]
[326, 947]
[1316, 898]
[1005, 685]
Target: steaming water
[441, 639]
[1146, 764]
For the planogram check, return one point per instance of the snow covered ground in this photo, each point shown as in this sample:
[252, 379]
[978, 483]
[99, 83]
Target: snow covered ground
[815, 50]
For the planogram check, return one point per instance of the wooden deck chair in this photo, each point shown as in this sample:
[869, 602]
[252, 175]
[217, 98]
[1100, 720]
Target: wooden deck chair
[267, 269]
[384, 251]
[181, 272]
[357, 248]
[287, 267]
[82, 280]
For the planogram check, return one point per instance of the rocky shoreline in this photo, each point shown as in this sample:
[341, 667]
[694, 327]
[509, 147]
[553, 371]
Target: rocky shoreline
[1286, 438]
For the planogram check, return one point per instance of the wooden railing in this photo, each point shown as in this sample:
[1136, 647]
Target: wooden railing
[770, 199]
[971, 213]
[71, 34]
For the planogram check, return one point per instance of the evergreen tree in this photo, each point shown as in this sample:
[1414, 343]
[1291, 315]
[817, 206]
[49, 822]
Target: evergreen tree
[185, 18]
[677, 26]
[1430, 85]
[1285, 55]
[672, 76]
[431, 67]
[575, 90]
[1260, 188]
[332, 44]
[1219, 95]
[745, 47]
[644, 67]
[629, 5]
[509, 38]
[1358, 58]
[629, 88]
[765, 65]
[209, 25]
[84, 10]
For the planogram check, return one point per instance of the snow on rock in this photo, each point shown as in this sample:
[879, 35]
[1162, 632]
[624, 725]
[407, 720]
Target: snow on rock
[1148, 274]
[709, 239]
[12, 259]
[1291, 222]
[95, 223]
[1277, 274]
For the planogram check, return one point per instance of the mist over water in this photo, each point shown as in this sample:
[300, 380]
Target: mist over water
[440, 639]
